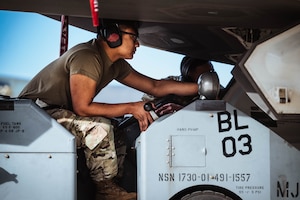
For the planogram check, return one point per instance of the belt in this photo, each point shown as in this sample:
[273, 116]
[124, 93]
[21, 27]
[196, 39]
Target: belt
[52, 107]
[46, 106]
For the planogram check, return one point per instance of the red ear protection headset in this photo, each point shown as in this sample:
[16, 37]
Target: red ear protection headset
[110, 32]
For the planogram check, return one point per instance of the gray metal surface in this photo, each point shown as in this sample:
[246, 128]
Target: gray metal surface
[216, 30]
[196, 150]
[37, 155]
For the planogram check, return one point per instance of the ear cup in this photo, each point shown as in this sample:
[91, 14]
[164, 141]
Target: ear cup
[112, 35]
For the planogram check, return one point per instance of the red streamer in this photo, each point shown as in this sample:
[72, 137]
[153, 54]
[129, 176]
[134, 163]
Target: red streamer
[94, 11]
[64, 34]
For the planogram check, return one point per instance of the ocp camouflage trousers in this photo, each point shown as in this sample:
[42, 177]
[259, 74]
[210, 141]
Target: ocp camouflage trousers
[96, 136]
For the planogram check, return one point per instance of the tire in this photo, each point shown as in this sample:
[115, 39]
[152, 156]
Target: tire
[205, 192]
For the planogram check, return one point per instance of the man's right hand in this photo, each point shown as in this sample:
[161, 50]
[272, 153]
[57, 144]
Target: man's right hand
[144, 117]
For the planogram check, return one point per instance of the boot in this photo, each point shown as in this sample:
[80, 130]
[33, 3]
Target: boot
[109, 190]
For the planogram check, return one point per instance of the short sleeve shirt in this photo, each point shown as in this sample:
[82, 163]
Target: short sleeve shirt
[52, 85]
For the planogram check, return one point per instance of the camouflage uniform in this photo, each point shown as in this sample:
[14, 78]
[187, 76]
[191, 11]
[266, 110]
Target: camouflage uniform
[96, 136]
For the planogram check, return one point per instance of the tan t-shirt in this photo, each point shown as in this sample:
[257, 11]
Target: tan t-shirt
[51, 84]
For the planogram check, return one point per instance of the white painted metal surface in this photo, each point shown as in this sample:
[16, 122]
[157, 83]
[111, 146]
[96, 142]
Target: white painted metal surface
[37, 155]
[211, 146]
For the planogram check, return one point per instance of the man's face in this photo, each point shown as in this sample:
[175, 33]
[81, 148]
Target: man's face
[129, 42]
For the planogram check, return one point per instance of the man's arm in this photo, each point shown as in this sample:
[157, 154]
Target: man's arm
[82, 93]
[159, 88]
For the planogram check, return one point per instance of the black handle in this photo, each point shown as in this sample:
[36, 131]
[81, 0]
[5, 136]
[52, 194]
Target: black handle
[148, 106]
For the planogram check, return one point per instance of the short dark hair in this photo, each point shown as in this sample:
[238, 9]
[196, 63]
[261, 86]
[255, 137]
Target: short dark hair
[104, 23]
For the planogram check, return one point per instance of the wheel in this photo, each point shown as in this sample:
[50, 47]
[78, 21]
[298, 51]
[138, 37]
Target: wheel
[205, 192]
[206, 195]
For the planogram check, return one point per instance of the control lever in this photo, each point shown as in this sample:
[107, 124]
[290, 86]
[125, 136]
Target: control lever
[148, 107]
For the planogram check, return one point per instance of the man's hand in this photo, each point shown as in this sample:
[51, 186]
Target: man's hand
[144, 118]
[167, 108]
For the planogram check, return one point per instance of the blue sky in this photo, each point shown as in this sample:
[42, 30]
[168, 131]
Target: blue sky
[30, 41]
